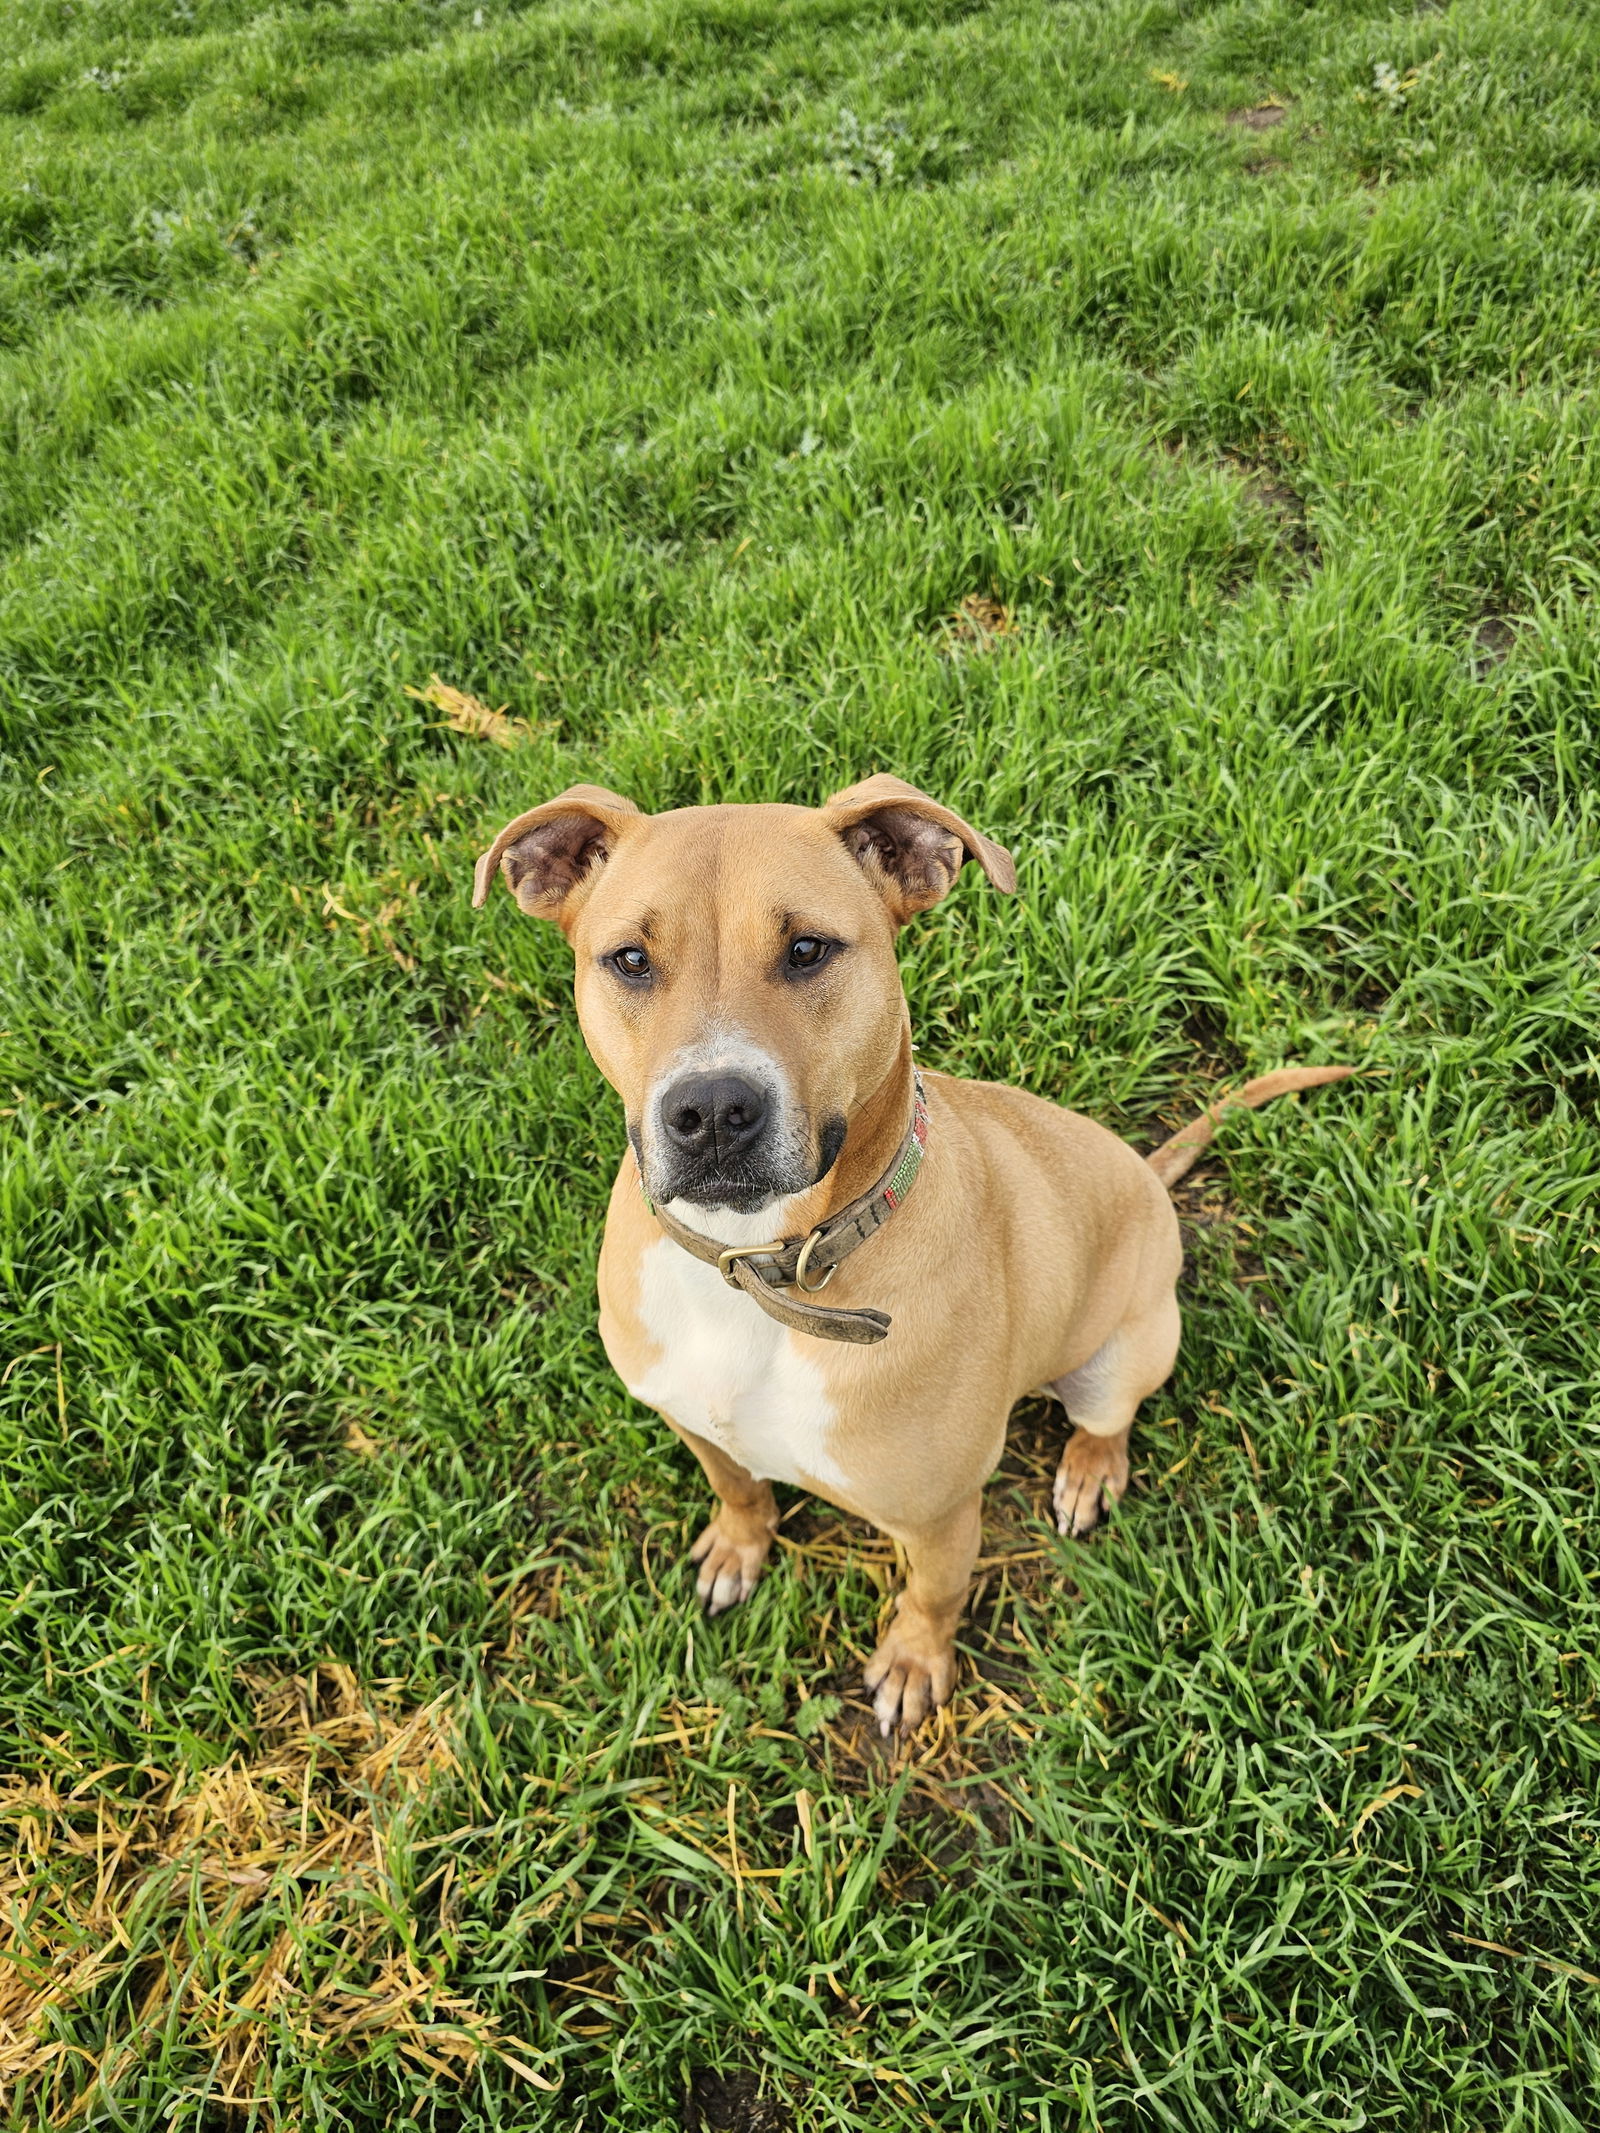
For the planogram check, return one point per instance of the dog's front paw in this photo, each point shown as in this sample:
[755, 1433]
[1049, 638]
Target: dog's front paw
[907, 1677]
[1093, 1474]
[730, 1559]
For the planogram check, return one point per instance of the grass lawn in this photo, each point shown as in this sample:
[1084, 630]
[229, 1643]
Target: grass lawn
[1166, 432]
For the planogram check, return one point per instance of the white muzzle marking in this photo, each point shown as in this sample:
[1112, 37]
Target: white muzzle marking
[786, 1150]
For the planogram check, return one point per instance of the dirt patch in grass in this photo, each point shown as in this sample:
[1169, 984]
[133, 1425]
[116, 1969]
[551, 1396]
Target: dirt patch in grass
[1259, 118]
[1492, 642]
[1266, 489]
[1274, 495]
[1209, 1222]
[1263, 485]
[732, 2103]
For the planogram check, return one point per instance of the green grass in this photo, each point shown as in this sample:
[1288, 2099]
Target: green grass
[669, 370]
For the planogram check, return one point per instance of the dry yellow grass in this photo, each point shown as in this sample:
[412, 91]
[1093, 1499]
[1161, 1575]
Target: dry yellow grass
[467, 714]
[976, 625]
[154, 1887]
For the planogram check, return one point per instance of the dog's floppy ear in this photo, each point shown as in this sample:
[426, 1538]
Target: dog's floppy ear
[547, 854]
[912, 845]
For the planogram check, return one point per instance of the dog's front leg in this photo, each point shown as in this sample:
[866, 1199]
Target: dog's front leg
[732, 1551]
[914, 1668]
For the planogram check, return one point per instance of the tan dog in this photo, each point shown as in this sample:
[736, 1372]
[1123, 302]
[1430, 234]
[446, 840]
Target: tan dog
[737, 986]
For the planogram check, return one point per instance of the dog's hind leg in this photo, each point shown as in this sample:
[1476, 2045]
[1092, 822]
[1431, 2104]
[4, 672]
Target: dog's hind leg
[1101, 1398]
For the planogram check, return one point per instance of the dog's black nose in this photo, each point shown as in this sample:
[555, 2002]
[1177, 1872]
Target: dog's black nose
[713, 1117]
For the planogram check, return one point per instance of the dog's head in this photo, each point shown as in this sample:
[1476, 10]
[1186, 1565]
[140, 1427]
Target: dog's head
[736, 975]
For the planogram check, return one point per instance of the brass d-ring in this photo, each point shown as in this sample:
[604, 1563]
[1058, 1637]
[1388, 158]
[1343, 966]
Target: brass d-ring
[800, 1265]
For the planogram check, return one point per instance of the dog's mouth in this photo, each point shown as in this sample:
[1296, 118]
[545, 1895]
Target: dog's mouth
[737, 1194]
[746, 1182]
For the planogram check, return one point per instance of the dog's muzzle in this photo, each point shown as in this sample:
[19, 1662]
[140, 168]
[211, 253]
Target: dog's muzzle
[719, 1142]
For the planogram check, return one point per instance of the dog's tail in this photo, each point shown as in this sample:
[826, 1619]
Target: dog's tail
[1183, 1151]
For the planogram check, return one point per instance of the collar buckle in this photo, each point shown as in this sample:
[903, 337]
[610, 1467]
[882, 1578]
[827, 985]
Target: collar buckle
[726, 1260]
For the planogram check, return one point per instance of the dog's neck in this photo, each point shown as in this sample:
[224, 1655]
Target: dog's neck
[871, 1141]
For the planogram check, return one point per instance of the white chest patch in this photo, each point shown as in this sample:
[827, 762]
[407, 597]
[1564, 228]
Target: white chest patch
[731, 1374]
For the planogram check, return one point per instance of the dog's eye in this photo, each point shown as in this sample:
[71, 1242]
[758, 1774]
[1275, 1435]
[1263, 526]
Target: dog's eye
[630, 963]
[808, 952]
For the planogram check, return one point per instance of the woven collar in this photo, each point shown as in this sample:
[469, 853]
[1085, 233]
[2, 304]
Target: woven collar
[806, 1264]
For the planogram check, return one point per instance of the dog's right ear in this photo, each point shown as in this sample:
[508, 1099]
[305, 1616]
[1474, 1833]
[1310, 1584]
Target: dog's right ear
[552, 852]
[910, 845]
